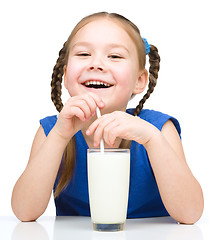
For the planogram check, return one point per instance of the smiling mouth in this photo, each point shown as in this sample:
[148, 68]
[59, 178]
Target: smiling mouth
[96, 84]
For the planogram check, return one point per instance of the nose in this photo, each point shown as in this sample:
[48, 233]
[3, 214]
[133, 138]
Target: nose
[96, 65]
[96, 68]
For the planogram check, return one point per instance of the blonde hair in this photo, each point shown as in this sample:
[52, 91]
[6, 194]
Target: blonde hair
[66, 171]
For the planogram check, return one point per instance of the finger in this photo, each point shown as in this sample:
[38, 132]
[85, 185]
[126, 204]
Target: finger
[83, 105]
[98, 134]
[92, 100]
[95, 124]
[99, 101]
[91, 103]
[74, 111]
[110, 133]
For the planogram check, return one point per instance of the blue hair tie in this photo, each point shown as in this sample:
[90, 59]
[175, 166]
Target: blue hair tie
[147, 46]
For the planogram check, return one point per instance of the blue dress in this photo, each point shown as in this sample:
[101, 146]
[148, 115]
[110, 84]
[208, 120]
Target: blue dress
[144, 197]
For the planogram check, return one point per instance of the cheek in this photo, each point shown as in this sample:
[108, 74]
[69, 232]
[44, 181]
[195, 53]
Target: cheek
[126, 77]
[72, 73]
[73, 68]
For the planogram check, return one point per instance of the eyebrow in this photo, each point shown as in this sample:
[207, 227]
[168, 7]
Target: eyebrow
[116, 45]
[81, 44]
[112, 45]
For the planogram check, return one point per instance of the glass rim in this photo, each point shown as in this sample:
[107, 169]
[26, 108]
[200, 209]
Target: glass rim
[98, 150]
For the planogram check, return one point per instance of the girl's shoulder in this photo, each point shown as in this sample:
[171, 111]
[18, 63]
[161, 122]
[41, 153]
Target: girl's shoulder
[48, 123]
[156, 118]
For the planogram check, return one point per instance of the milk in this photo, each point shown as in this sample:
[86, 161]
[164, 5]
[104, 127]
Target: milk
[108, 181]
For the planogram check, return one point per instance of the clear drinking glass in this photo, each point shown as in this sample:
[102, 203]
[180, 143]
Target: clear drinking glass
[108, 183]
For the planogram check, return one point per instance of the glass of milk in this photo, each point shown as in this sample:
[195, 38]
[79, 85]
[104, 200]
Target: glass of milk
[108, 183]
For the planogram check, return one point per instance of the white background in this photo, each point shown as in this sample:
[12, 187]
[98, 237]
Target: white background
[33, 32]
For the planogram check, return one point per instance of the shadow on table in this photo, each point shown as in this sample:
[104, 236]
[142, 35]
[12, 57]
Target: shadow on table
[164, 228]
[80, 228]
[29, 231]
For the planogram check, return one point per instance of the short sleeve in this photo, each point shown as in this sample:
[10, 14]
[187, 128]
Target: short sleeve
[158, 119]
[48, 123]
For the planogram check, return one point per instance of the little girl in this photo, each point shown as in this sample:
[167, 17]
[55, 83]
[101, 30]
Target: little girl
[103, 65]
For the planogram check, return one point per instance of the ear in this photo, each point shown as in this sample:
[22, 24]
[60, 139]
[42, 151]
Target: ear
[64, 76]
[141, 82]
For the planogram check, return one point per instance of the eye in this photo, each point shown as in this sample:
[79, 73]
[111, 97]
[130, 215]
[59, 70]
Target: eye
[83, 54]
[115, 56]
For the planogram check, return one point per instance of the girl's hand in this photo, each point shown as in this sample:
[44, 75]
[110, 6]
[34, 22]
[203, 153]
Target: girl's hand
[122, 125]
[76, 112]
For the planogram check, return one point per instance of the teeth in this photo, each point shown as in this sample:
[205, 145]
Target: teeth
[96, 83]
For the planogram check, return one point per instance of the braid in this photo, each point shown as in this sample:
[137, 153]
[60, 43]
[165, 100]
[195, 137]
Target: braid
[56, 83]
[154, 60]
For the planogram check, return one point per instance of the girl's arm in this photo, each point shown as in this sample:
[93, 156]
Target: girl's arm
[33, 189]
[179, 190]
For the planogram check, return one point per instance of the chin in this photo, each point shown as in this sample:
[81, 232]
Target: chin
[109, 108]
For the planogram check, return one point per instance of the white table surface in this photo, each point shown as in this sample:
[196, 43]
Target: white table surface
[77, 228]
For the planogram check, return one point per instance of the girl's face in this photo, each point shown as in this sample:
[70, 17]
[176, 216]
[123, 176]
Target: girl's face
[103, 59]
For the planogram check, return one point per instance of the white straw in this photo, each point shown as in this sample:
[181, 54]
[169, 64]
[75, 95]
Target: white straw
[102, 142]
